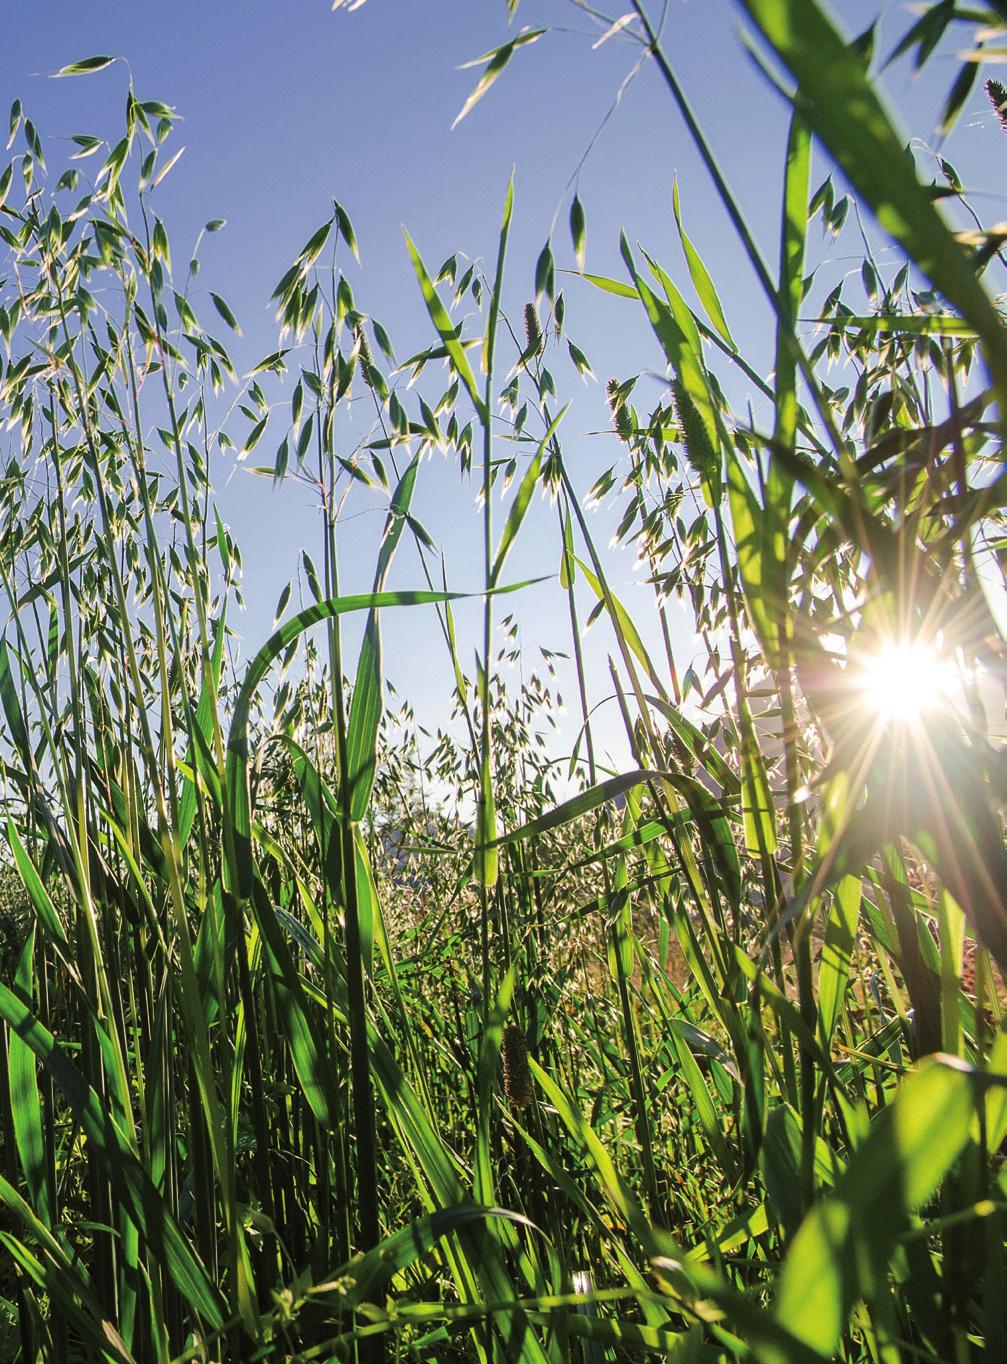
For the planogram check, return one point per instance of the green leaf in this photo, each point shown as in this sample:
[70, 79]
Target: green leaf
[37, 893]
[484, 1182]
[200, 742]
[909, 324]
[581, 804]
[756, 795]
[837, 954]
[704, 1107]
[700, 276]
[447, 331]
[716, 839]
[25, 1102]
[781, 1157]
[568, 563]
[842, 1248]
[522, 499]
[793, 234]
[63, 1279]
[841, 105]
[622, 622]
[305, 1041]
[128, 1178]
[493, 317]
[698, 745]
[487, 861]
[611, 286]
[762, 551]
[363, 1278]
[675, 328]
[365, 712]
[11, 703]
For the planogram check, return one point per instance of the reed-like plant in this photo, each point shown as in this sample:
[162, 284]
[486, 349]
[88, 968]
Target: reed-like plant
[327, 1035]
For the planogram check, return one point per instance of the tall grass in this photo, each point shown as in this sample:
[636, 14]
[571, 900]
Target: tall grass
[304, 1058]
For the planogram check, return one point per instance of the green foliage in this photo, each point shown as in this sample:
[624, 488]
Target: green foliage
[327, 1036]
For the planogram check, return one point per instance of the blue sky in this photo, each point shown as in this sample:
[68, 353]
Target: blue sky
[287, 105]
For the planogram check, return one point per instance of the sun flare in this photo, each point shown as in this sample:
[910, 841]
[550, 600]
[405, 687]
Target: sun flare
[903, 682]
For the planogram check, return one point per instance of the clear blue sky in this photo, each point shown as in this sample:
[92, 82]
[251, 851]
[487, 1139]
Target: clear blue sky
[287, 105]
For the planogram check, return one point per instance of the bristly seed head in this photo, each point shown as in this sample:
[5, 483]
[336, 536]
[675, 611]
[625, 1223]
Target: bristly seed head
[361, 339]
[997, 96]
[693, 432]
[686, 759]
[516, 1071]
[532, 329]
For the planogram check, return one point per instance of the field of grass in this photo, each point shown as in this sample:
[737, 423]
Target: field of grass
[322, 1039]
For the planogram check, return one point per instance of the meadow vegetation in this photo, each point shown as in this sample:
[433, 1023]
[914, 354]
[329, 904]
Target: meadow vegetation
[324, 1038]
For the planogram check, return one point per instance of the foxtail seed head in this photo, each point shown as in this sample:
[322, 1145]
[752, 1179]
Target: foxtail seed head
[516, 1071]
[997, 96]
[532, 329]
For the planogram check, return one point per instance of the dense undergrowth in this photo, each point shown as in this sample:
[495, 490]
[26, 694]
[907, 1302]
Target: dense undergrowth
[327, 1040]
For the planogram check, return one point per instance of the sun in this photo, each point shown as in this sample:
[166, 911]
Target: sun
[904, 681]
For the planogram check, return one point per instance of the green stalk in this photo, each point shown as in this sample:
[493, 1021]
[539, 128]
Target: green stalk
[486, 818]
[190, 988]
[733, 210]
[365, 1188]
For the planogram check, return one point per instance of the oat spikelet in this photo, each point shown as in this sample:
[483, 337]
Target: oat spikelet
[997, 96]
[617, 406]
[516, 1071]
